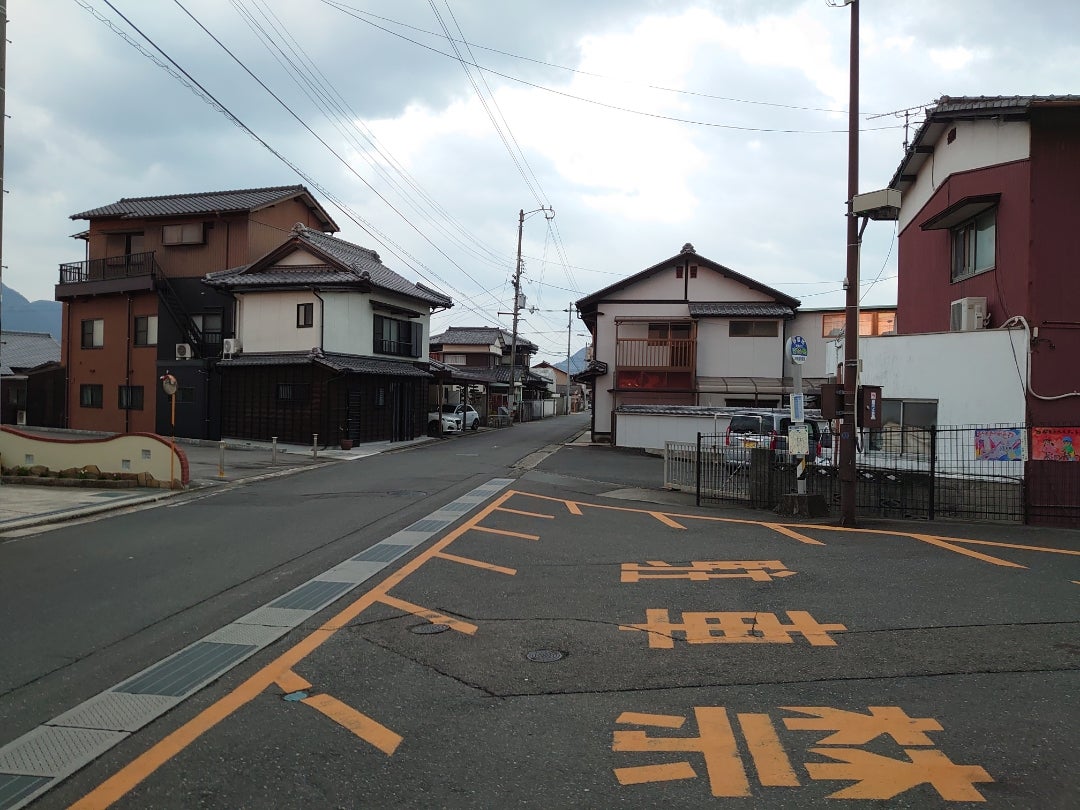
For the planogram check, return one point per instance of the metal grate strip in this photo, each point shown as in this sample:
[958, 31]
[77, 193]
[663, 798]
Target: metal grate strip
[382, 552]
[427, 526]
[183, 672]
[16, 788]
[116, 711]
[313, 595]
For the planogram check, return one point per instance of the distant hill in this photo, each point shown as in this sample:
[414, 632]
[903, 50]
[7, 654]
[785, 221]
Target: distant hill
[577, 362]
[20, 315]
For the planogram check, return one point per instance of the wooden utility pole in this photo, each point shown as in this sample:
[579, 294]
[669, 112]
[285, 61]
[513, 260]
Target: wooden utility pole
[517, 301]
[848, 482]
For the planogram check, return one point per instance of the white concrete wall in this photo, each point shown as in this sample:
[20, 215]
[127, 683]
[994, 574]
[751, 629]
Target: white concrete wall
[977, 144]
[651, 431]
[720, 355]
[973, 376]
[127, 453]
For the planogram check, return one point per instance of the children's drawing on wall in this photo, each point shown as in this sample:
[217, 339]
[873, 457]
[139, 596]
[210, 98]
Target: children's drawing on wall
[1054, 444]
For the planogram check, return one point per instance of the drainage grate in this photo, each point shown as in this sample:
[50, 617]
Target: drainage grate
[14, 787]
[428, 629]
[180, 674]
[545, 656]
[313, 595]
[382, 552]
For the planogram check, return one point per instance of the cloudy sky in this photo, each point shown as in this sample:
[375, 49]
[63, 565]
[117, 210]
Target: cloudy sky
[425, 127]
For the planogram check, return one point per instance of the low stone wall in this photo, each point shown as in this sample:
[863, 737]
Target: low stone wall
[146, 459]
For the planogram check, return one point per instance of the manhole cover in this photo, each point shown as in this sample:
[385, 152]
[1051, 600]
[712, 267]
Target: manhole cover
[429, 629]
[545, 656]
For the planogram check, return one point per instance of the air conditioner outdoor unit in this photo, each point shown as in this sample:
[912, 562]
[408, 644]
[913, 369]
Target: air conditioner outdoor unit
[183, 351]
[20, 417]
[230, 346]
[967, 314]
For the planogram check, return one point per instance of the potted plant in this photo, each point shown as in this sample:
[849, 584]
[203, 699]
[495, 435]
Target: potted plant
[344, 442]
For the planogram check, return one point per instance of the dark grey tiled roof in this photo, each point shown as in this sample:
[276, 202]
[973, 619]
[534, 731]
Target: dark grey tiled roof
[992, 105]
[479, 336]
[725, 309]
[679, 410]
[206, 202]
[26, 350]
[357, 364]
[458, 372]
[347, 265]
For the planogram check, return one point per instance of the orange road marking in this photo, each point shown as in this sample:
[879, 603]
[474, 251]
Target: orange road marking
[666, 520]
[967, 552]
[726, 774]
[485, 565]
[506, 533]
[802, 538]
[526, 514]
[655, 773]
[1016, 546]
[432, 616]
[123, 781]
[659, 720]
[770, 760]
[289, 681]
[571, 507]
[359, 724]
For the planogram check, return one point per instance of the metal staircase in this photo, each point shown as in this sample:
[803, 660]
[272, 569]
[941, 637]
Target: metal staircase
[175, 307]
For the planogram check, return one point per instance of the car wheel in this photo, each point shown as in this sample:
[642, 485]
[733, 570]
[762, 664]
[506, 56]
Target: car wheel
[433, 428]
[475, 423]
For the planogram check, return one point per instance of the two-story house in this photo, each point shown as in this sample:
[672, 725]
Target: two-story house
[135, 307]
[484, 352]
[686, 331]
[989, 201]
[329, 342]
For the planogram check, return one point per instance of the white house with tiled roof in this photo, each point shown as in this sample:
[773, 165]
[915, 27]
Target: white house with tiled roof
[686, 331]
[329, 341]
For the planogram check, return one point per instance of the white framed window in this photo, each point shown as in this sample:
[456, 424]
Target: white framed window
[189, 233]
[146, 330]
[974, 245]
[93, 333]
[305, 316]
[454, 359]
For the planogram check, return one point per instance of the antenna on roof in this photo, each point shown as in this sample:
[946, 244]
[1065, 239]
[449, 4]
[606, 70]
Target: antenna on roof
[906, 112]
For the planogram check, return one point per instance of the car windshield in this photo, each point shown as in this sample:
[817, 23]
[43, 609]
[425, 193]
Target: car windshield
[746, 424]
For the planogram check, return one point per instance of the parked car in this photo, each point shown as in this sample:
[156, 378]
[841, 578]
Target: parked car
[469, 417]
[768, 428]
[450, 422]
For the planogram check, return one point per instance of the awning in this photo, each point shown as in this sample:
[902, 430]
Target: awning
[960, 212]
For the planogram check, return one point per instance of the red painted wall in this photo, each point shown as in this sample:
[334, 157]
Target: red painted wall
[1055, 265]
[925, 288]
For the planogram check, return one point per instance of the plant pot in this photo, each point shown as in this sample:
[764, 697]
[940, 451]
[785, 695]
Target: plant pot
[346, 444]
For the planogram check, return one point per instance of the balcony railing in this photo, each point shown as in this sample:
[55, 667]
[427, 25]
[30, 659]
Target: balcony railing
[656, 353]
[113, 267]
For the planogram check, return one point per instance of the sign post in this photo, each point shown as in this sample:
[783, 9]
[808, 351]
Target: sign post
[168, 385]
[798, 433]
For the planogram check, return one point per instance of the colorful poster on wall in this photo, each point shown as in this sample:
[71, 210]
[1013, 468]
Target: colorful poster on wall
[999, 444]
[1055, 444]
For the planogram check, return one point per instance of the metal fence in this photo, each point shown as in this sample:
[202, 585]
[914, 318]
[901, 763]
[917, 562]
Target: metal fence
[1015, 473]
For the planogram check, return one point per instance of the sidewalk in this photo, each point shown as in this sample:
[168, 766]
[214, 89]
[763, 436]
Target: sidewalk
[26, 505]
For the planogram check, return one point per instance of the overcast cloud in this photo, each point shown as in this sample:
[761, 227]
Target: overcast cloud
[757, 182]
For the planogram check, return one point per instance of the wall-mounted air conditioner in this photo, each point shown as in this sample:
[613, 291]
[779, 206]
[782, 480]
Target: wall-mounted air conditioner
[230, 346]
[183, 351]
[20, 417]
[967, 314]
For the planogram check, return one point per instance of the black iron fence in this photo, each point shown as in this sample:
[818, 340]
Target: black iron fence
[1015, 473]
[126, 266]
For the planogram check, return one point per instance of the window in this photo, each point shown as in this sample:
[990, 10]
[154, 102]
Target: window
[870, 323]
[292, 393]
[753, 329]
[93, 333]
[209, 324]
[973, 245]
[146, 330]
[119, 247]
[17, 396]
[905, 427]
[91, 396]
[400, 338]
[190, 233]
[380, 397]
[129, 398]
[305, 316]
[455, 359]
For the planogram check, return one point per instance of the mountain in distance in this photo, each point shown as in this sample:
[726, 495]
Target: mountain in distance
[20, 315]
[577, 361]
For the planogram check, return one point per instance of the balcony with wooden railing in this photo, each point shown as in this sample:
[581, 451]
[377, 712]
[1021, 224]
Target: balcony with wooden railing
[655, 363]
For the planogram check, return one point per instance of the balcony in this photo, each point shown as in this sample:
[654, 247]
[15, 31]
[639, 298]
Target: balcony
[655, 364]
[128, 273]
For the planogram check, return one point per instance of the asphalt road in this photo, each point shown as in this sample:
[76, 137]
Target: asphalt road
[597, 644]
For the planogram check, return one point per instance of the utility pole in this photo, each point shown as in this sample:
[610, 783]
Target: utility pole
[517, 301]
[847, 468]
[3, 114]
[569, 330]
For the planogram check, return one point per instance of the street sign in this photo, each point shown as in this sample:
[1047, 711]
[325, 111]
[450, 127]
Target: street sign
[797, 349]
[799, 439]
